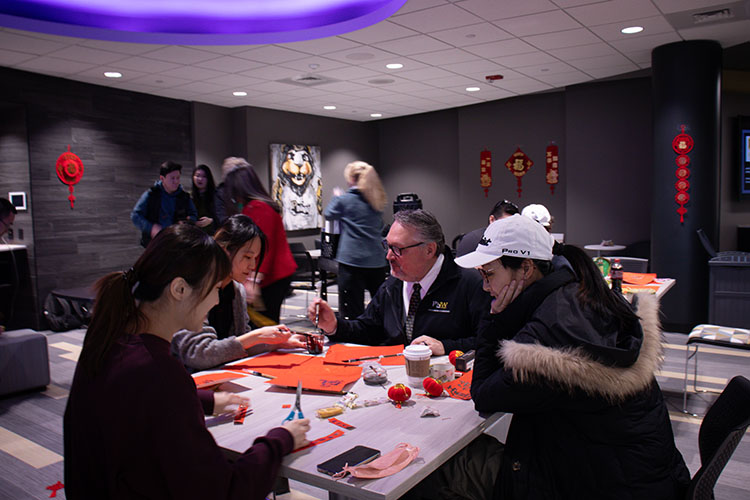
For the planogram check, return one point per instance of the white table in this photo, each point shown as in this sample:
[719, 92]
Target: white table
[381, 427]
[599, 248]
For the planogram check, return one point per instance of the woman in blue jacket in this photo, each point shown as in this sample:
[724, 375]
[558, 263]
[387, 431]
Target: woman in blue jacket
[360, 254]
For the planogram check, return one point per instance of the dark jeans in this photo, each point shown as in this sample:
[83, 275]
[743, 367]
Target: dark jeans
[273, 295]
[353, 281]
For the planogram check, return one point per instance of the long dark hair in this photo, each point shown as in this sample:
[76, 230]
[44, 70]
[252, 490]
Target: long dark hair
[592, 291]
[210, 186]
[244, 186]
[180, 250]
[235, 232]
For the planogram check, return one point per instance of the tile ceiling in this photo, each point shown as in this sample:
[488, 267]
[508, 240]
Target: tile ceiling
[445, 46]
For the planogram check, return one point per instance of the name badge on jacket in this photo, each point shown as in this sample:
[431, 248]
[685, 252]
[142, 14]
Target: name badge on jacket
[438, 306]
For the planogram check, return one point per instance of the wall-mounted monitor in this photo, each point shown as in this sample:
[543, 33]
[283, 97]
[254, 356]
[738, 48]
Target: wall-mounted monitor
[18, 199]
[744, 156]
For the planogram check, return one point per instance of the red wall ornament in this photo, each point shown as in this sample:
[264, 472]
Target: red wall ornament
[682, 144]
[69, 169]
[519, 164]
[485, 170]
[553, 162]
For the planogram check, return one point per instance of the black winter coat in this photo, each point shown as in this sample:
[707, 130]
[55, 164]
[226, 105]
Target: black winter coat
[450, 312]
[589, 420]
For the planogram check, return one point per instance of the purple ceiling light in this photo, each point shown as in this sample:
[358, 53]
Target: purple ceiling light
[196, 22]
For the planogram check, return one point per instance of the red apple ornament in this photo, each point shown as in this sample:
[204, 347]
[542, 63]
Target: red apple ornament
[453, 355]
[432, 386]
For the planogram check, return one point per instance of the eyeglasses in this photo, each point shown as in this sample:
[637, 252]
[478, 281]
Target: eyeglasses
[486, 274]
[396, 250]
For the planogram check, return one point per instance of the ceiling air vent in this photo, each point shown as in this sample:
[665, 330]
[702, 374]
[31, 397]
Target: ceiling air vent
[307, 80]
[712, 16]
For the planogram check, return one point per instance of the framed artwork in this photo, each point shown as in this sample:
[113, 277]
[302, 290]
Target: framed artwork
[297, 185]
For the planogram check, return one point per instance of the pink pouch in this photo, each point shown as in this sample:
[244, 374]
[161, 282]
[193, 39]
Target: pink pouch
[387, 464]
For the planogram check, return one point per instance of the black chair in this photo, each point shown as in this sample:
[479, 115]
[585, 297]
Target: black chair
[305, 277]
[631, 264]
[721, 431]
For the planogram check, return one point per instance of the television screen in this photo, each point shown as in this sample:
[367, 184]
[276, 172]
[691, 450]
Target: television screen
[745, 156]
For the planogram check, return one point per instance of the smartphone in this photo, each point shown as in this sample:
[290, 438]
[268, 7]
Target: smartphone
[355, 456]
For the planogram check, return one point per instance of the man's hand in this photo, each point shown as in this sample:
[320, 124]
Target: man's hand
[204, 221]
[326, 318]
[435, 345]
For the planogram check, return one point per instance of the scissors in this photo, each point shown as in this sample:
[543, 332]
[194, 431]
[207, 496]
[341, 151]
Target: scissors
[297, 405]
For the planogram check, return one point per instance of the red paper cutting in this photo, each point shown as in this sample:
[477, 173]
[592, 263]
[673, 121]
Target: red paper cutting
[324, 439]
[553, 161]
[682, 144]
[461, 387]
[485, 170]
[518, 164]
[54, 487]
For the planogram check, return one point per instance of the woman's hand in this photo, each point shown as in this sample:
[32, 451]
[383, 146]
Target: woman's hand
[155, 230]
[507, 295]
[253, 292]
[204, 221]
[298, 429]
[337, 191]
[294, 342]
[324, 315]
[277, 334]
[226, 402]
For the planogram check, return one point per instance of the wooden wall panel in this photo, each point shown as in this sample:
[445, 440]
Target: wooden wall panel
[121, 137]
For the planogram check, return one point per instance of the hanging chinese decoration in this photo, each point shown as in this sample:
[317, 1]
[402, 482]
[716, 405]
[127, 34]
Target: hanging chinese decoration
[682, 145]
[485, 170]
[69, 169]
[552, 159]
[519, 164]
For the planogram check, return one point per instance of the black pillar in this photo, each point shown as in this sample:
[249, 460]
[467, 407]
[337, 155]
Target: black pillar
[686, 91]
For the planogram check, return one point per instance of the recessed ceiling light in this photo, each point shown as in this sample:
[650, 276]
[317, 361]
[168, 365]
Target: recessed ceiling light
[472, 89]
[394, 66]
[632, 29]
[239, 93]
[329, 107]
[113, 74]
[376, 115]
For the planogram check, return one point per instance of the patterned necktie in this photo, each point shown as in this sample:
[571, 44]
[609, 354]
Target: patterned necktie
[413, 305]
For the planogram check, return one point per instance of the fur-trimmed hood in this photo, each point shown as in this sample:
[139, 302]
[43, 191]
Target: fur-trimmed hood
[575, 369]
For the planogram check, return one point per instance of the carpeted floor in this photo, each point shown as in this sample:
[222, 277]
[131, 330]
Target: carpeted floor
[31, 461]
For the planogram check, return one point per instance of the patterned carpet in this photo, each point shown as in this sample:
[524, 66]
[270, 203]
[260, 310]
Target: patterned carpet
[31, 449]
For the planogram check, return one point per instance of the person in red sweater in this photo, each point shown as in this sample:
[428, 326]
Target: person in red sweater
[275, 274]
[134, 425]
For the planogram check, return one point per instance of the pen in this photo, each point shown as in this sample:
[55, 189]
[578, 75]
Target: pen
[258, 374]
[372, 357]
[317, 315]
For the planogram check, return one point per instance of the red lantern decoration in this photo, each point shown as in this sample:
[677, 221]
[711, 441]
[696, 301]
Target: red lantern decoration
[399, 393]
[432, 386]
[519, 164]
[69, 169]
[682, 144]
[453, 355]
[553, 161]
[485, 170]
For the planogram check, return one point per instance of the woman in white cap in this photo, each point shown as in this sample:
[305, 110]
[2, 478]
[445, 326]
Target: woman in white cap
[575, 364]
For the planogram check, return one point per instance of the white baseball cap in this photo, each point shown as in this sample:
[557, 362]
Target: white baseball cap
[515, 236]
[538, 213]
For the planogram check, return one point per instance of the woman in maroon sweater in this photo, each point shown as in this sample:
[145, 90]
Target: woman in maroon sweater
[134, 425]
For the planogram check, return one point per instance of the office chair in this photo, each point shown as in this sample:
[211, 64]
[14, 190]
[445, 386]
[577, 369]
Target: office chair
[720, 433]
[305, 277]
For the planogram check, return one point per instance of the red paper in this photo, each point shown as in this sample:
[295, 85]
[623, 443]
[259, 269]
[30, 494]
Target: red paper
[215, 378]
[638, 278]
[337, 353]
[272, 359]
[318, 376]
[459, 388]
[324, 439]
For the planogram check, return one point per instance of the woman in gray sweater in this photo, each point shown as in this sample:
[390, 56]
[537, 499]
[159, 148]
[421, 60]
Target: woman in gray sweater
[226, 333]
